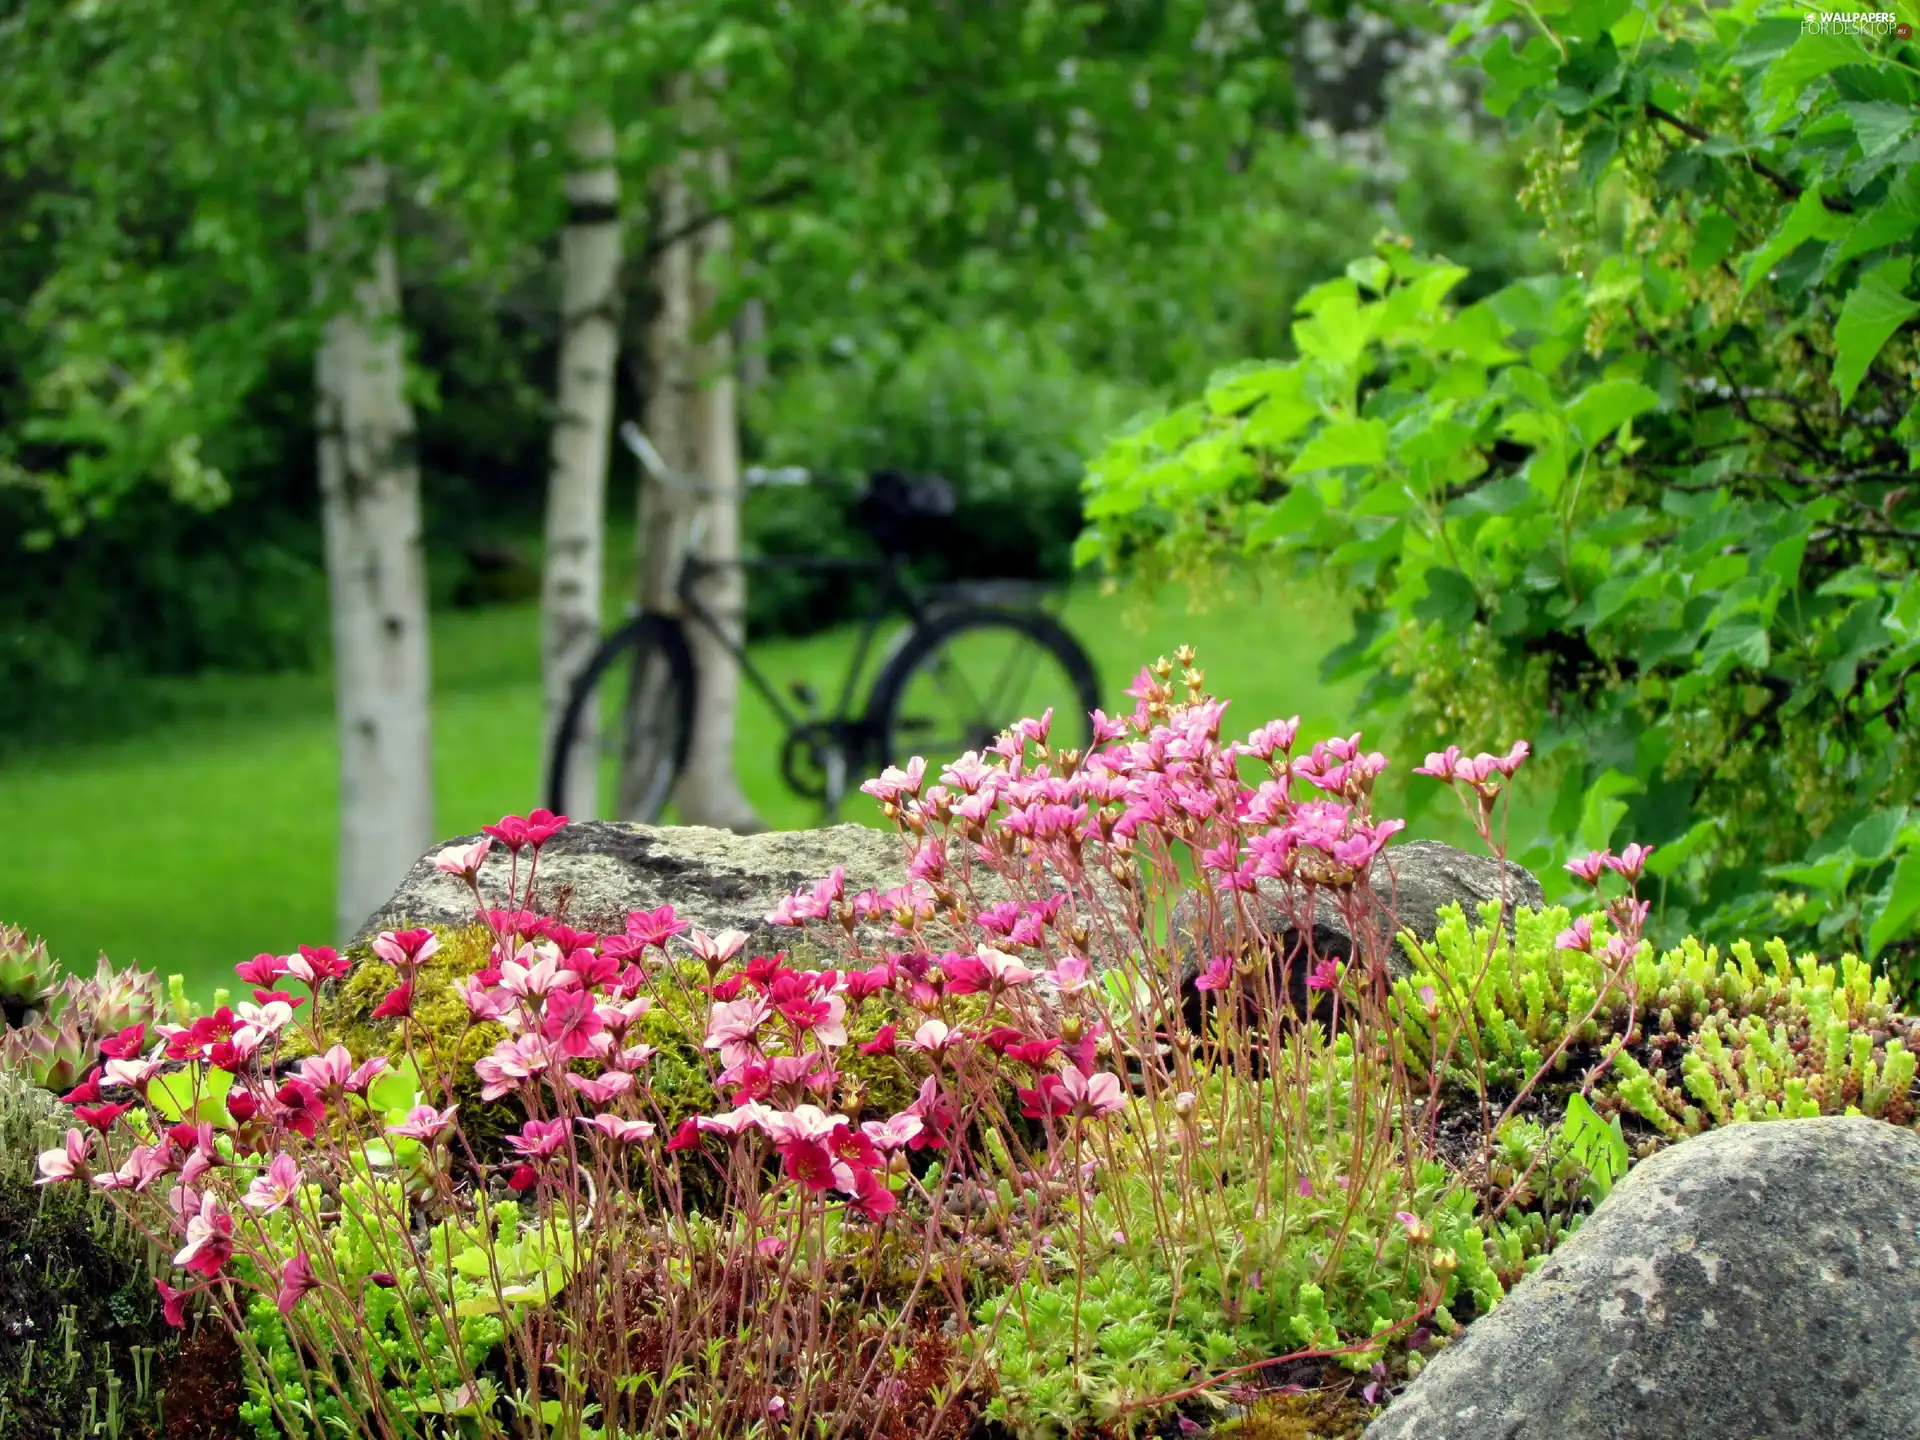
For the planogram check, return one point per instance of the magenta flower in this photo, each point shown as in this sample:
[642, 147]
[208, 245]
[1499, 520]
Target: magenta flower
[276, 1188]
[1274, 736]
[1100, 1094]
[1630, 863]
[263, 969]
[317, 964]
[330, 1071]
[540, 1139]
[405, 950]
[295, 1282]
[570, 1021]
[1577, 936]
[1324, 976]
[653, 927]
[1071, 974]
[365, 1074]
[397, 1004]
[67, 1163]
[424, 1123]
[1589, 866]
[209, 1239]
[1217, 976]
[173, 1304]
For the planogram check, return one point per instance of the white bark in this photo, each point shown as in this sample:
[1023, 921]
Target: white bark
[752, 332]
[376, 573]
[709, 792]
[577, 485]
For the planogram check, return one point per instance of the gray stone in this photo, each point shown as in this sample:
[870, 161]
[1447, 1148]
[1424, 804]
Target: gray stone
[593, 872]
[1759, 1282]
[1410, 883]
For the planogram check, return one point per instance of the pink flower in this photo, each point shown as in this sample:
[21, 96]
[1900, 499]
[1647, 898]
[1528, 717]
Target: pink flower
[1631, 862]
[330, 1071]
[135, 1074]
[603, 1090]
[893, 782]
[397, 1004]
[1589, 866]
[892, 1133]
[173, 1304]
[67, 1163]
[1071, 974]
[1275, 735]
[737, 1121]
[534, 830]
[935, 1038]
[716, 950]
[365, 1074]
[627, 1132]
[317, 964]
[464, 860]
[734, 1028]
[100, 1117]
[263, 969]
[424, 1123]
[483, 1002]
[531, 980]
[632, 1058]
[295, 1282]
[883, 1042]
[278, 1187]
[1577, 936]
[1100, 1094]
[209, 1239]
[653, 927]
[570, 1022]
[405, 950]
[1217, 976]
[540, 1139]
[1324, 976]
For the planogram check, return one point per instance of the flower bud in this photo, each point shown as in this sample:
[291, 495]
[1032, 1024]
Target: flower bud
[1445, 1262]
[1184, 1104]
[1071, 1029]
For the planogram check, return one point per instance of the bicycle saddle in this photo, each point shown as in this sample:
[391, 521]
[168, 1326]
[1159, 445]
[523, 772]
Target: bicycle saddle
[903, 511]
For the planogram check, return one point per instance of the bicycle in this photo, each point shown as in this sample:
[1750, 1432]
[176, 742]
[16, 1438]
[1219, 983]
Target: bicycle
[639, 686]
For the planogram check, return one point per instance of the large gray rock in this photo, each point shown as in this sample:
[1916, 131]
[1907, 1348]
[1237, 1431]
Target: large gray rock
[593, 872]
[1410, 884]
[1760, 1282]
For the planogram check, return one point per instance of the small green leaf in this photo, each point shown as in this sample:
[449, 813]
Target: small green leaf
[1872, 839]
[1450, 599]
[1894, 219]
[398, 1089]
[1603, 408]
[1873, 311]
[1903, 902]
[1808, 220]
[1345, 442]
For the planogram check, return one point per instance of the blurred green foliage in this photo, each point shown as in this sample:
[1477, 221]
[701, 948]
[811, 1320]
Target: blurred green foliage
[1650, 508]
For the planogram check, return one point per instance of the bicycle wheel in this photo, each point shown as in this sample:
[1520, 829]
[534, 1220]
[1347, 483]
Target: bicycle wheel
[970, 673]
[631, 710]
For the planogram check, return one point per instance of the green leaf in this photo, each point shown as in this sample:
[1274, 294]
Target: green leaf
[1668, 858]
[1338, 330]
[1903, 902]
[1872, 839]
[1602, 809]
[398, 1089]
[1808, 220]
[1811, 57]
[1879, 125]
[1345, 442]
[1603, 408]
[1742, 640]
[1873, 311]
[1450, 599]
[172, 1095]
[1894, 219]
[1600, 1147]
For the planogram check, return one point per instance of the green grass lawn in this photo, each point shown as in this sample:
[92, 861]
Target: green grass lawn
[211, 834]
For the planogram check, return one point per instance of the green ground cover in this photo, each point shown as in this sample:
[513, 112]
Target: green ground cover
[209, 833]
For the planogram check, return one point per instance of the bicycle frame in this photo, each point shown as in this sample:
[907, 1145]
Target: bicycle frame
[893, 586]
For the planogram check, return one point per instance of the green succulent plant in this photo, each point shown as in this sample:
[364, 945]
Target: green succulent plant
[27, 974]
[52, 1053]
[1717, 1038]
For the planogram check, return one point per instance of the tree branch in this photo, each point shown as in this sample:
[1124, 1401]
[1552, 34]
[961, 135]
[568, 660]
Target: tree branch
[774, 195]
[1785, 184]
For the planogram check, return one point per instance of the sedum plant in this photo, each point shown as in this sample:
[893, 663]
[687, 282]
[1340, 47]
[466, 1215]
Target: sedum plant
[55, 1025]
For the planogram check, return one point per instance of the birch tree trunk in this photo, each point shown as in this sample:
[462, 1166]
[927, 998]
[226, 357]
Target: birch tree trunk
[376, 572]
[691, 423]
[709, 791]
[577, 484]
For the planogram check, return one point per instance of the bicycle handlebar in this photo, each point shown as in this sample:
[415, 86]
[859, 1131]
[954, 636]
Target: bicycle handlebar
[635, 439]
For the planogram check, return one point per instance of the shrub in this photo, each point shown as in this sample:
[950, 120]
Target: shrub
[1007, 420]
[1652, 506]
